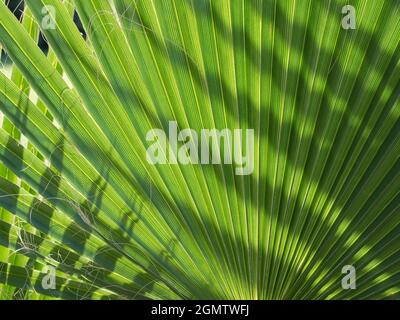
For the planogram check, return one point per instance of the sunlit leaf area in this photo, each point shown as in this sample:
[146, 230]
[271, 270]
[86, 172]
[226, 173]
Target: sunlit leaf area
[199, 149]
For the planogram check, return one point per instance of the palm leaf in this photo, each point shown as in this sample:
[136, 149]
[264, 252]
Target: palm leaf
[77, 193]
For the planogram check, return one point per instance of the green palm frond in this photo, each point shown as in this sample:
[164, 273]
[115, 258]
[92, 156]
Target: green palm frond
[79, 196]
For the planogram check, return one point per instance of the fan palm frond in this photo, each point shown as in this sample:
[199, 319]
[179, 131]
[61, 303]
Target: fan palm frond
[85, 215]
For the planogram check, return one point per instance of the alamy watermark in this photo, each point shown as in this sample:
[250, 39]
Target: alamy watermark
[349, 20]
[210, 146]
[349, 280]
[49, 18]
[49, 280]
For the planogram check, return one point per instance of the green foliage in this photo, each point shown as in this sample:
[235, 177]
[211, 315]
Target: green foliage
[76, 191]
